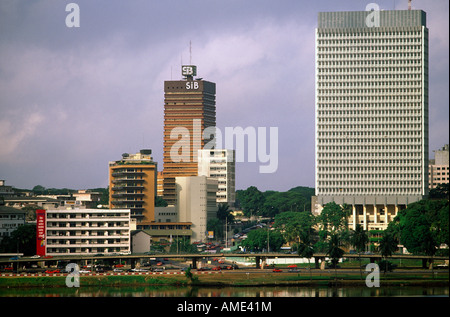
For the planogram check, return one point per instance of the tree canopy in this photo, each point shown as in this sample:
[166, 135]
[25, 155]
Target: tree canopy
[257, 240]
[295, 225]
[270, 203]
[422, 226]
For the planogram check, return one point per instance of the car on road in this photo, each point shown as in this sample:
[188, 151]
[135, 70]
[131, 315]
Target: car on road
[52, 271]
[294, 270]
[138, 270]
[35, 257]
[84, 271]
[277, 270]
[292, 266]
[158, 269]
[216, 268]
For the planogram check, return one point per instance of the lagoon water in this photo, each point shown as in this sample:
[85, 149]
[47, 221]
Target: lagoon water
[170, 291]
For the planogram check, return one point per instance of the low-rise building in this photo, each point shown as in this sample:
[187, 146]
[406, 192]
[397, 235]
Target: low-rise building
[86, 231]
[438, 168]
[10, 220]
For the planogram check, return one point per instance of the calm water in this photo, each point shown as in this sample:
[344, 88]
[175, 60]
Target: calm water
[169, 291]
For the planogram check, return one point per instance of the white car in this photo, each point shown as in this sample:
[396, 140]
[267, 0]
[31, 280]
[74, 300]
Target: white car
[35, 256]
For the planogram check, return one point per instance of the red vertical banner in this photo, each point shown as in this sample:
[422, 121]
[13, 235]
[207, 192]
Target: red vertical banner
[40, 232]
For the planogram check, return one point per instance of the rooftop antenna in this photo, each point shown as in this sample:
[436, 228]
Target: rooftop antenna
[409, 5]
[190, 52]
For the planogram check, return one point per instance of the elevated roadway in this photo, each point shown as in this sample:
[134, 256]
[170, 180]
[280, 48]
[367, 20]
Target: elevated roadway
[194, 257]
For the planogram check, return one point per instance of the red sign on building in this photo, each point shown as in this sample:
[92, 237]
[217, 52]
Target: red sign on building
[40, 232]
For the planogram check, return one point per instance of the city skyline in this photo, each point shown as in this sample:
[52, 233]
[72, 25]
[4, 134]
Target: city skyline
[72, 98]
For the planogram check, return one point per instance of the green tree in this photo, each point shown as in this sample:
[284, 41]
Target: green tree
[334, 251]
[422, 226]
[216, 226]
[224, 213]
[332, 220]
[294, 225]
[306, 248]
[388, 245]
[359, 240]
[160, 202]
[22, 240]
[439, 192]
[38, 190]
[251, 200]
[190, 276]
[182, 245]
[257, 240]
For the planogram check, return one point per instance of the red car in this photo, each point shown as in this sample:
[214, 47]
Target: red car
[52, 271]
[216, 268]
[277, 270]
[292, 266]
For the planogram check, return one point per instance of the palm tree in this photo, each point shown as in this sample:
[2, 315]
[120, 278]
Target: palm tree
[334, 251]
[305, 248]
[223, 212]
[359, 240]
[388, 245]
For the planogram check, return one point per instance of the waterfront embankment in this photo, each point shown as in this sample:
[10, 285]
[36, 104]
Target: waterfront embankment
[236, 279]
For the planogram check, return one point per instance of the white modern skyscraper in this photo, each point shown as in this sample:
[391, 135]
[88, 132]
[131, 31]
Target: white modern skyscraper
[371, 112]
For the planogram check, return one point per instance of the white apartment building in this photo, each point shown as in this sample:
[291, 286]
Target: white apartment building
[371, 112]
[87, 231]
[219, 164]
[196, 203]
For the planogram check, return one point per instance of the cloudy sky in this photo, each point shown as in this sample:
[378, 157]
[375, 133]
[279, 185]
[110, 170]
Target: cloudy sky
[73, 99]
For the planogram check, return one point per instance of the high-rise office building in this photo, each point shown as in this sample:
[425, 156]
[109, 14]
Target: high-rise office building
[220, 164]
[132, 185]
[371, 112]
[189, 108]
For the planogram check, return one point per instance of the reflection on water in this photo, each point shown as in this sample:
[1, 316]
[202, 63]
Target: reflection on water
[170, 291]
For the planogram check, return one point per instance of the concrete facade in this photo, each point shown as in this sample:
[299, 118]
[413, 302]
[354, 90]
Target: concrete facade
[371, 112]
[87, 231]
[219, 164]
[196, 203]
[132, 185]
